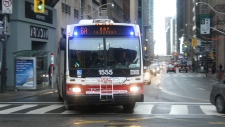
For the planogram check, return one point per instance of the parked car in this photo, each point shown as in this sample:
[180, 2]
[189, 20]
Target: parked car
[170, 68]
[147, 77]
[217, 96]
[183, 67]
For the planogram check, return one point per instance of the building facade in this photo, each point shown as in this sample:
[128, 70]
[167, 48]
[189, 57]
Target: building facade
[41, 33]
[146, 21]
[192, 16]
[29, 35]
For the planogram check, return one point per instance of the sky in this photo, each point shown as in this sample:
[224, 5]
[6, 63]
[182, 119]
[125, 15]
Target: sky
[162, 9]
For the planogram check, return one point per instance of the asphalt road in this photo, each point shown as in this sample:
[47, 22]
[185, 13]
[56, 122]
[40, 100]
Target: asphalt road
[171, 100]
[178, 87]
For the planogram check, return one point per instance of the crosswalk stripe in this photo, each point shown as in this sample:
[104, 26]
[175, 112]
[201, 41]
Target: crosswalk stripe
[45, 109]
[10, 110]
[3, 105]
[179, 110]
[143, 109]
[209, 109]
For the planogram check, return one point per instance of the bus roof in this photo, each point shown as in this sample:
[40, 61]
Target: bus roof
[85, 21]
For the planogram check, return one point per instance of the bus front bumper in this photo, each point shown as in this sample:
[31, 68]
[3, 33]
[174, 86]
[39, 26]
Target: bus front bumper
[104, 99]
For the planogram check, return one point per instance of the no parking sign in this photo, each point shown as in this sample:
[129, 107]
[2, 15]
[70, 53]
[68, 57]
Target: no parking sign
[6, 6]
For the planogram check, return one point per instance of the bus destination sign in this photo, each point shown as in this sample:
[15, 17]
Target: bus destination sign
[103, 30]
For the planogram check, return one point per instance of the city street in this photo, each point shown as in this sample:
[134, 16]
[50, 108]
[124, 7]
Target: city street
[172, 99]
[112, 63]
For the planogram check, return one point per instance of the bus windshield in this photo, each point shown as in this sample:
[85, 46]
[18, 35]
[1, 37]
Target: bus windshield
[108, 52]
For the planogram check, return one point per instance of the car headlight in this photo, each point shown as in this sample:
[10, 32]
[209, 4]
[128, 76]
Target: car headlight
[134, 89]
[147, 75]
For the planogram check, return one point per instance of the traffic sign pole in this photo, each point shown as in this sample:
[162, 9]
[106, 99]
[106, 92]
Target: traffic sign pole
[52, 67]
[3, 65]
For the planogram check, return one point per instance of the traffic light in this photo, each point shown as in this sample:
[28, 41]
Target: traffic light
[185, 44]
[146, 59]
[39, 6]
[194, 42]
[211, 55]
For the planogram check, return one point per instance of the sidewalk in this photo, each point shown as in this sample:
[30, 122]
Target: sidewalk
[213, 78]
[20, 94]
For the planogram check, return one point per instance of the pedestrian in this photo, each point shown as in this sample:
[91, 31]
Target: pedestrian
[50, 73]
[220, 67]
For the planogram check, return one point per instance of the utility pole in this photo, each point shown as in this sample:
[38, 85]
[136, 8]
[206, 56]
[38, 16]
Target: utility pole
[81, 10]
[3, 65]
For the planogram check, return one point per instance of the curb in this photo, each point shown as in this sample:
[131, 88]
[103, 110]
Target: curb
[15, 95]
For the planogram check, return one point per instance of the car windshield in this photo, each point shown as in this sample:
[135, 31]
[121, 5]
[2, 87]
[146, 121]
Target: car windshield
[122, 52]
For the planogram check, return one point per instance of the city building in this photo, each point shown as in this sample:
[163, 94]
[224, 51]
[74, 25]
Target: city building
[29, 35]
[193, 16]
[168, 42]
[37, 35]
[146, 16]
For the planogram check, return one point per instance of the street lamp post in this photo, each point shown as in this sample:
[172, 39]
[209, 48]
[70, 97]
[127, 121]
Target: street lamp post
[209, 6]
[213, 10]
[81, 15]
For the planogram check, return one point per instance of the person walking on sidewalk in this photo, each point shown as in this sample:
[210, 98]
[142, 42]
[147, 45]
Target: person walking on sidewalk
[220, 67]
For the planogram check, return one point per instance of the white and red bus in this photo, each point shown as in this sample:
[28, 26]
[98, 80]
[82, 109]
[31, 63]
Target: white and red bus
[90, 65]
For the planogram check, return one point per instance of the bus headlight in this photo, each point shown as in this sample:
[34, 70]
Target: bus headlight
[75, 89]
[134, 88]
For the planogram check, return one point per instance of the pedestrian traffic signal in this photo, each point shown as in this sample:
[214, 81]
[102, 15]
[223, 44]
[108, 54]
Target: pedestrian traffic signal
[146, 59]
[39, 6]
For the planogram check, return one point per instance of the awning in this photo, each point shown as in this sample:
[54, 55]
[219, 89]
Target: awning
[30, 53]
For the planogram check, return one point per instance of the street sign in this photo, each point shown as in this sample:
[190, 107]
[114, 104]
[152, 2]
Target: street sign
[205, 26]
[6, 6]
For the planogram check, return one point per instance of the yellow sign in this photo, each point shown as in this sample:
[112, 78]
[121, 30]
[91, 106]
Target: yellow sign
[194, 42]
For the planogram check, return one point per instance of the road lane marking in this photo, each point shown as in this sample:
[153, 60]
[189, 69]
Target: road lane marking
[45, 109]
[209, 109]
[143, 109]
[179, 110]
[201, 89]
[10, 110]
[31, 102]
[164, 90]
[3, 105]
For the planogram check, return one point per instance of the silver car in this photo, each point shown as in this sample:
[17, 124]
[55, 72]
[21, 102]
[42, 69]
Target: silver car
[147, 75]
[217, 96]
